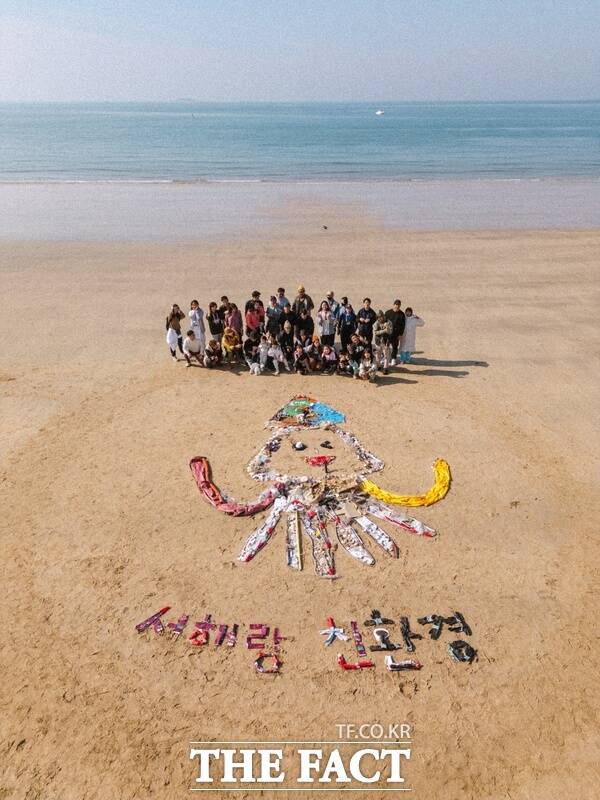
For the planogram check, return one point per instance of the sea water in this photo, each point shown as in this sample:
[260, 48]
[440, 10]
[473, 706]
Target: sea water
[187, 141]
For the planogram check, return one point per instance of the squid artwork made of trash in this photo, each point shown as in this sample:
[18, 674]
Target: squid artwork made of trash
[346, 502]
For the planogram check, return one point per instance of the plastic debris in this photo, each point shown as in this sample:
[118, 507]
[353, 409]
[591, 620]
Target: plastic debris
[382, 637]
[333, 632]
[408, 635]
[462, 651]
[362, 664]
[436, 622]
[273, 669]
[458, 624]
[399, 666]
[377, 619]
[314, 501]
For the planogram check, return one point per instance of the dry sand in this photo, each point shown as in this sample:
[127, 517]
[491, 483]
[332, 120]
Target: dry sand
[102, 523]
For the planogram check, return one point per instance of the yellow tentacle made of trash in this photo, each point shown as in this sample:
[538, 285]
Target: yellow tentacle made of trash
[441, 471]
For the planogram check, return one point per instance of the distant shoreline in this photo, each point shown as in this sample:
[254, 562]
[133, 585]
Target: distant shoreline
[184, 211]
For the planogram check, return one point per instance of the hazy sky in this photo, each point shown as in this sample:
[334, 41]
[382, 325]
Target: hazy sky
[299, 49]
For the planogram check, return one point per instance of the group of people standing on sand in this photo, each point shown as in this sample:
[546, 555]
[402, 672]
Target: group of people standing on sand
[333, 339]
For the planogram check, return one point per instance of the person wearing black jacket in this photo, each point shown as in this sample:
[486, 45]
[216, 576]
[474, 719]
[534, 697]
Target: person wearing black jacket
[286, 342]
[366, 319]
[253, 301]
[305, 323]
[215, 322]
[287, 315]
[395, 315]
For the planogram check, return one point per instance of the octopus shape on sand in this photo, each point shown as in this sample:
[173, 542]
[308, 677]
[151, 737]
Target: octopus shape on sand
[316, 473]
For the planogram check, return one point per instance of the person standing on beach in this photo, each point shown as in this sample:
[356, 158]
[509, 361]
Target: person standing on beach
[382, 331]
[196, 315]
[326, 323]
[408, 341]
[395, 315]
[346, 323]
[253, 301]
[215, 323]
[282, 300]
[333, 304]
[225, 307]
[234, 320]
[253, 319]
[366, 320]
[272, 314]
[173, 325]
[302, 301]
[305, 324]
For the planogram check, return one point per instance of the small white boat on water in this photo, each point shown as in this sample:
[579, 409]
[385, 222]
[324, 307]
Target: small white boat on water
[379, 112]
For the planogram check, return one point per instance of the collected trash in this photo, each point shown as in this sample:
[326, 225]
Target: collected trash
[377, 619]
[342, 497]
[333, 632]
[408, 635]
[462, 651]
[436, 622]
[382, 637]
[362, 664]
[273, 669]
[398, 666]
[458, 624]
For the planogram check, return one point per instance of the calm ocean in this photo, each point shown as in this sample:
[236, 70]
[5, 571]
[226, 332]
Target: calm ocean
[199, 142]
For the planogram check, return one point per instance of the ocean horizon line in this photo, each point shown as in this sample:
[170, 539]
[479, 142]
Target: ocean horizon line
[375, 102]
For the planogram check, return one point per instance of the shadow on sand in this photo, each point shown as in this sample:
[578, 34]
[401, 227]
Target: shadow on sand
[402, 373]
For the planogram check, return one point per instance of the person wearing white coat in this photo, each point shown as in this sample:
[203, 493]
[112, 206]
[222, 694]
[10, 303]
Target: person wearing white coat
[408, 341]
[196, 315]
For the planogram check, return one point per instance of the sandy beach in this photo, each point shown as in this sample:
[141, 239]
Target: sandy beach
[103, 524]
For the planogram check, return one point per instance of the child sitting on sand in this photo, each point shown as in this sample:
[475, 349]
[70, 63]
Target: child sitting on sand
[313, 351]
[276, 354]
[408, 341]
[263, 353]
[329, 360]
[301, 363]
[192, 348]
[367, 367]
[252, 356]
[344, 367]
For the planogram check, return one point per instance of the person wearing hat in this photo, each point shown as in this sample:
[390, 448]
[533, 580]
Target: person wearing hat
[305, 324]
[253, 301]
[302, 300]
